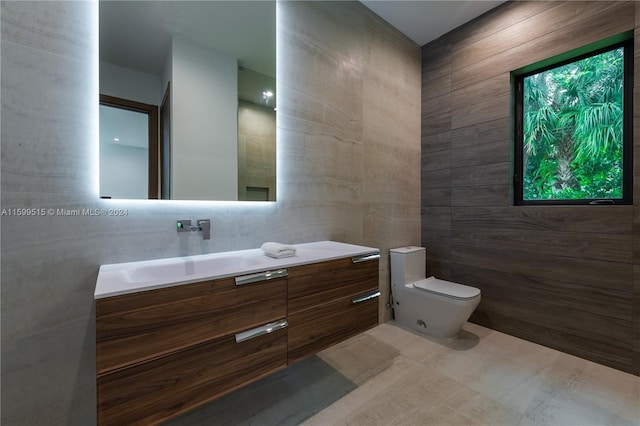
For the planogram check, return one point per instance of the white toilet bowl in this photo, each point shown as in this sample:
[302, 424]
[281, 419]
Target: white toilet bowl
[430, 305]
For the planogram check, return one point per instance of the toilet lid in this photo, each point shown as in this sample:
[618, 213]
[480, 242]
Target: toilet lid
[447, 288]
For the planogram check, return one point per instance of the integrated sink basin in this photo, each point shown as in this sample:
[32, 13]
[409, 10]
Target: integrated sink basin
[179, 268]
[124, 278]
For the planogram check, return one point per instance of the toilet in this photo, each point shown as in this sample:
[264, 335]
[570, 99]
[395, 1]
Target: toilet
[430, 305]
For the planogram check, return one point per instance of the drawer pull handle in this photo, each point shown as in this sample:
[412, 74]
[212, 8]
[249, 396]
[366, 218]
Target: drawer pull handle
[262, 330]
[371, 295]
[365, 258]
[262, 276]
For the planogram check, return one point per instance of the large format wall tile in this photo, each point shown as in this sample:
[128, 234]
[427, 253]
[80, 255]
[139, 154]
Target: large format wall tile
[60, 27]
[562, 276]
[329, 155]
[46, 133]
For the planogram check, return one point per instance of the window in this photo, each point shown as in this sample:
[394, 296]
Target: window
[573, 124]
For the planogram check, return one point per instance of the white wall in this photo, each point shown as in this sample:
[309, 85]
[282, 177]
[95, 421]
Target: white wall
[130, 84]
[348, 170]
[124, 171]
[204, 98]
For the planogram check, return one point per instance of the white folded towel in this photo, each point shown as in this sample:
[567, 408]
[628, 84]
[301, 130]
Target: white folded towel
[277, 250]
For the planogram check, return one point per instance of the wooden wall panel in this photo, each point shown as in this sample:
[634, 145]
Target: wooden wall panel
[636, 307]
[436, 159]
[600, 301]
[636, 198]
[436, 197]
[438, 116]
[582, 220]
[439, 87]
[618, 17]
[636, 146]
[606, 247]
[481, 133]
[557, 338]
[492, 108]
[480, 195]
[436, 141]
[611, 275]
[436, 178]
[577, 322]
[496, 20]
[636, 232]
[563, 276]
[440, 63]
[564, 14]
[485, 153]
[494, 87]
[491, 173]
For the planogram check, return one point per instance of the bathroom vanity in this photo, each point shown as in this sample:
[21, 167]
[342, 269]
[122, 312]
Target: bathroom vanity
[172, 334]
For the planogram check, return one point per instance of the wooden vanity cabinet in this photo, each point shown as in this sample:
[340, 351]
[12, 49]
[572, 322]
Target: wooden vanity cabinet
[151, 392]
[330, 302]
[135, 327]
[161, 352]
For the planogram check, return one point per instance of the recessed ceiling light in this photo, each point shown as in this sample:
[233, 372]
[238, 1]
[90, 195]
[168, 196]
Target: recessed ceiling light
[266, 96]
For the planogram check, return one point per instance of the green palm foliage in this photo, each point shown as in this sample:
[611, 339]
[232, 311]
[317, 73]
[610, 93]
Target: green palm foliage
[573, 130]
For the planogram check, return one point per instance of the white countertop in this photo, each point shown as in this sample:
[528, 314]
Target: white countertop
[123, 278]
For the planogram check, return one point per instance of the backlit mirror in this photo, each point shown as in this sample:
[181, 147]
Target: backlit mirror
[187, 100]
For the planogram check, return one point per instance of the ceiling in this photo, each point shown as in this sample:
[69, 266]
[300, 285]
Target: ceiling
[426, 20]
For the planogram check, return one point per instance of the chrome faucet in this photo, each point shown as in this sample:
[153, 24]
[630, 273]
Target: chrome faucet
[203, 225]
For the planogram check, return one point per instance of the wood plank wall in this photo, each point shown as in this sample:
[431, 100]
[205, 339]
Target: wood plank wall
[564, 277]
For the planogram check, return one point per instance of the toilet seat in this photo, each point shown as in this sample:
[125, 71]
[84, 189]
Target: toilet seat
[447, 288]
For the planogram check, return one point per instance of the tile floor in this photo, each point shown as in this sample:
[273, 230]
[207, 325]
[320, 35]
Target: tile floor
[392, 376]
[483, 378]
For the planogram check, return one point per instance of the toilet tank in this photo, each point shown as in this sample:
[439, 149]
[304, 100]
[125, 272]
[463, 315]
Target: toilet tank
[408, 264]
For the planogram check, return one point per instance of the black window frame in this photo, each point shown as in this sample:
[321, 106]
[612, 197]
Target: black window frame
[518, 77]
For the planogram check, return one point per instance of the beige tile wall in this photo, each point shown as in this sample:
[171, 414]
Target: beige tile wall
[349, 170]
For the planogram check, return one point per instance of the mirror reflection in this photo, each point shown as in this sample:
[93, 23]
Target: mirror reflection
[188, 96]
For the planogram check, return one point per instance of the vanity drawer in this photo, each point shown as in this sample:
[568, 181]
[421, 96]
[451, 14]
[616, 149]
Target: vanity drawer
[153, 391]
[310, 285]
[136, 327]
[315, 329]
